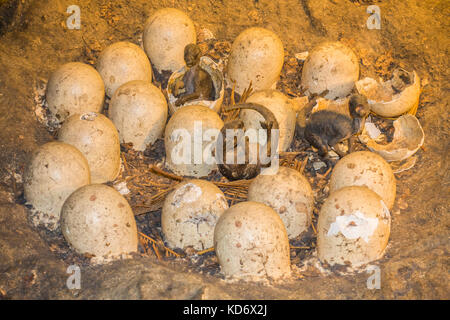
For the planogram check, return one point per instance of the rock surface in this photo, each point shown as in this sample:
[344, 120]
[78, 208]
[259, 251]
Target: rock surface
[417, 259]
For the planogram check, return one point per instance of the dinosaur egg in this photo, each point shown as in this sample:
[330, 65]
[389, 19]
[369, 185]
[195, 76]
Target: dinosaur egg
[250, 241]
[97, 138]
[55, 170]
[281, 107]
[97, 220]
[368, 169]
[190, 138]
[74, 87]
[122, 62]
[330, 66]
[217, 78]
[257, 56]
[292, 199]
[353, 227]
[190, 213]
[138, 109]
[166, 33]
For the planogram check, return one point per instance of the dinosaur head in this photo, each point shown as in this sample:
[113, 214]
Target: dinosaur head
[192, 54]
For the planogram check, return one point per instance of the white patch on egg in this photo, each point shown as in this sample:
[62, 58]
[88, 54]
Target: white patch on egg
[354, 226]
[187, 194]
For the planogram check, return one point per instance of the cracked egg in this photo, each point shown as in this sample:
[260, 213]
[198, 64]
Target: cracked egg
[251, 242]
[213, 70]
[353, 227]
[394, 97]
[190, 213]
[408, 138]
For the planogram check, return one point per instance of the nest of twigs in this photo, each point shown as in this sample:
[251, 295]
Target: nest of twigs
[145, 182]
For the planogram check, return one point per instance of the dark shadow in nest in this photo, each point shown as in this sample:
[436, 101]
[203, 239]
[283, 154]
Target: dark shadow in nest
[9, 11]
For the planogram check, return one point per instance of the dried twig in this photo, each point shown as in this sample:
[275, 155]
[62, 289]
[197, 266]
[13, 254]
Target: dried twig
[247, 92]
[294, 247]
[205, 251]
[304, 163]
[124, 160]
[154, 243]
[161, 172]
[314, 228]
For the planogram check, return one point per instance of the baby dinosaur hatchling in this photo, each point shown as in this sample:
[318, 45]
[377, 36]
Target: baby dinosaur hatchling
[246, 170]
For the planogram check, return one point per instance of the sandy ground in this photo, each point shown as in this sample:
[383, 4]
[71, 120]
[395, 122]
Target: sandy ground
[413, 34]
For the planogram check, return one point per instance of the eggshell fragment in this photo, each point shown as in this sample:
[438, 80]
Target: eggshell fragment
[384, 101]
[408, 138]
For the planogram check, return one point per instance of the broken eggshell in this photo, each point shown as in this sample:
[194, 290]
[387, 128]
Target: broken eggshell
[408, 138]
[353, 227]
[384, 101]
[190, 213]
[217, 77]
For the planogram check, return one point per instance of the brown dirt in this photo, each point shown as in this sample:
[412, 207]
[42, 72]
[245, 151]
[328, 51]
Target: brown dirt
[34, 41]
